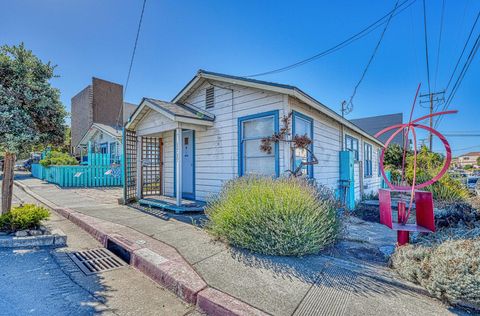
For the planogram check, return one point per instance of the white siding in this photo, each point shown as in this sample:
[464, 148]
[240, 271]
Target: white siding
[216, 152]
[152, 121]
[168, 158]
[327, 139]
[356, 175]
[370, 184]
[101, 138]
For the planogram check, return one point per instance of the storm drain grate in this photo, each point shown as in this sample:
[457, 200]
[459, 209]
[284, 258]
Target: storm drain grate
[96, 260]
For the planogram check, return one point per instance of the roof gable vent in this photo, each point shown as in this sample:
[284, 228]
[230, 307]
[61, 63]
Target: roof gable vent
[209, 97]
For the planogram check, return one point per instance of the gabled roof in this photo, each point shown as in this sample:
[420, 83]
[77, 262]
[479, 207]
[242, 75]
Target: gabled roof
[290, 90]
[128, 109]
[174, 111]
[472, 153]
[107, 129]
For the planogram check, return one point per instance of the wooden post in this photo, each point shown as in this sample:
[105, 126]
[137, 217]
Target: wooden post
[178, 167]
[7, 183]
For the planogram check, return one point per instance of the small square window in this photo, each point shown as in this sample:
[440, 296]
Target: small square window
[185, 141]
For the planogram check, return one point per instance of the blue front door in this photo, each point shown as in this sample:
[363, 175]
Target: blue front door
[188, 164]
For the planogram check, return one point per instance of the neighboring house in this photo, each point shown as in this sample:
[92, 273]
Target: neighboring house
[216, 123]
[100, 102]
[467, 159]
[103, 139]
[375, 124]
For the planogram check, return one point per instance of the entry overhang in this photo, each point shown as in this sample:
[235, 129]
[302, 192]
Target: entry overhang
[171, 116]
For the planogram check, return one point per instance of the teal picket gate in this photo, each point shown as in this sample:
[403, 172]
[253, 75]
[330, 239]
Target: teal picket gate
[80, 176]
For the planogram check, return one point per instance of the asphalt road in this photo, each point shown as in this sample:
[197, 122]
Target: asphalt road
[45, 281]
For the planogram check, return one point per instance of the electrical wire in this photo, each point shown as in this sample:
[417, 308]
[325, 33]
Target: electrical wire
[464, 69]
[426, 45]
[132, 59]
[404, 5]
[463, 51]
[350, 102]
[439, 44]
[461, 76]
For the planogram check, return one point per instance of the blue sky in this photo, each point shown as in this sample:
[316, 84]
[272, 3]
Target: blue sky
[88, 38]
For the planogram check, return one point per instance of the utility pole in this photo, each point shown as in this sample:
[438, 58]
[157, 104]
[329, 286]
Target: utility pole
[438, 98]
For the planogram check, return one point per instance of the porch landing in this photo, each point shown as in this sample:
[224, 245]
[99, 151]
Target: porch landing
[169, 203]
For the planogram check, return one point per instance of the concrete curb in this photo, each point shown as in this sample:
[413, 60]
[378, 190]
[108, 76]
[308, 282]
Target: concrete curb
[57, 238]
[214, 302]
[159, 261]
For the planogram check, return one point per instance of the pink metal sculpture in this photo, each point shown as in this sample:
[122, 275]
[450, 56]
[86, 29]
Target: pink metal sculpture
[423, 199]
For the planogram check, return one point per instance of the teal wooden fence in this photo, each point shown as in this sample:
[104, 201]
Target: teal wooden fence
[80, 176]
[97, 159]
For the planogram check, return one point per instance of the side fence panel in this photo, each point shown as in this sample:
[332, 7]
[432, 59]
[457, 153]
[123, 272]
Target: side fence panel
[79, 176]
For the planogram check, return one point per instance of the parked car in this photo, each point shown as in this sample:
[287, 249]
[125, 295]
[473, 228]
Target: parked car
[472, 184]
[20, 165]
[35, 158]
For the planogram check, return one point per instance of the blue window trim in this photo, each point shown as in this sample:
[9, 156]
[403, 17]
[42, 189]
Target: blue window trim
[367, 164]
[186, 196]
[356, 155]
[240, 133]
[306, 118]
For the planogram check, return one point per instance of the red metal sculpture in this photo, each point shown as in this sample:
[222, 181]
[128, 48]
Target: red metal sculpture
[423, 199]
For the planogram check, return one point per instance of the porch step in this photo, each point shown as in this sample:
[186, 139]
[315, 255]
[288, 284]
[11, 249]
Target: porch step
[169, 204]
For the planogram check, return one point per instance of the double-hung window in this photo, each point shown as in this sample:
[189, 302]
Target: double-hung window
[367, 164]
[303, 125]
[351, 144]
[251, 130]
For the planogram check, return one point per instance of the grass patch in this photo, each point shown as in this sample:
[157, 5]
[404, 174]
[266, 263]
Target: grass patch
[27, 216]
[285, 216]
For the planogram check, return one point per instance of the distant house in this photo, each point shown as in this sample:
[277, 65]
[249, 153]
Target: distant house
[211, 132]
[467, 159]
[98, 114]
[374, 124]
[103, 139]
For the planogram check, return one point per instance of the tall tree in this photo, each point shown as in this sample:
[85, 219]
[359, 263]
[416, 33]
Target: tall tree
[31, 113]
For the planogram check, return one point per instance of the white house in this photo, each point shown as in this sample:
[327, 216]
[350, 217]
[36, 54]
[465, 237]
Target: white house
[219, 120]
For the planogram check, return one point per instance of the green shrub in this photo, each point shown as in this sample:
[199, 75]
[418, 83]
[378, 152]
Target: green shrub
[58, 158]
[284, 216]
[429, 164]
[27, 216]
[449, 271]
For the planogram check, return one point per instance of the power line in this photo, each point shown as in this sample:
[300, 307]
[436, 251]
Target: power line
[350, 102]
[426, 44]
[439, 44]
[464, 68]
[463, 51]
[340, 45]
[133, 57]
[461, 76]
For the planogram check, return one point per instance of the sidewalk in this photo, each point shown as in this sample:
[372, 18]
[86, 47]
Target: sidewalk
[45, 280]
[340, 284]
